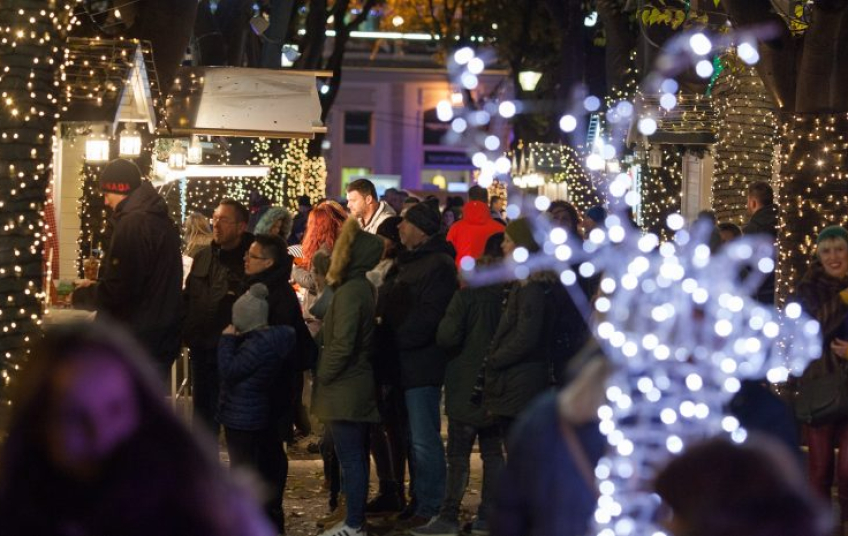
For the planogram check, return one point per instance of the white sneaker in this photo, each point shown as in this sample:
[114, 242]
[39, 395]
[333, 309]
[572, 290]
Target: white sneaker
[343, 530]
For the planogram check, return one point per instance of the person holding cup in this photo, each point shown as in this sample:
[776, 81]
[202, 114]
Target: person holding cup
[140, 279]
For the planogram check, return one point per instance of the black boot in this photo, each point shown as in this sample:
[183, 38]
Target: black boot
[388, 501]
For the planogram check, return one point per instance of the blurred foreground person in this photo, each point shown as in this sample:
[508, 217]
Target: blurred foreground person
[719, 488]
[93, 449]
[553, 450]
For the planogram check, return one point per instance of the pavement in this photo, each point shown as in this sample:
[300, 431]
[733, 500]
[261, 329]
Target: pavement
[306, 501]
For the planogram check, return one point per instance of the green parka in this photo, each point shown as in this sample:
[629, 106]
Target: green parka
[344, 389]
[517, 369]
[465, 333]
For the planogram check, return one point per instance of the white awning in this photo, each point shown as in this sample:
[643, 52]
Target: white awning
[245, 102]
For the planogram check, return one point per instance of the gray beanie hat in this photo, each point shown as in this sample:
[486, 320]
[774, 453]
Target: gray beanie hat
[251, 310]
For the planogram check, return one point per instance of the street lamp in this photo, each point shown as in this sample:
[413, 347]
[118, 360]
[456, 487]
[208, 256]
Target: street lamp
[528, 80]
[97, 145]
[130, 142]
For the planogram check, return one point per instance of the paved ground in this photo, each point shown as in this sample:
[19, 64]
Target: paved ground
[306, 501]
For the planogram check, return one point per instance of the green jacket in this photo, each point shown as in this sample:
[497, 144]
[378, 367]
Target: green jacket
[465, 333]
[517, 369]
[345, 389]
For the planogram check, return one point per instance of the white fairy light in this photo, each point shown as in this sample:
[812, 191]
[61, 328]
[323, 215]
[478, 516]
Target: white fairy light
[704, 68]
[568, 123]
[647, 126]
[701, 44]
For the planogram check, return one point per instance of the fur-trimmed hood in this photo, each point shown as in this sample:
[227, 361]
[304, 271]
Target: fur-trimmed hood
[354, 253]
[263, 226]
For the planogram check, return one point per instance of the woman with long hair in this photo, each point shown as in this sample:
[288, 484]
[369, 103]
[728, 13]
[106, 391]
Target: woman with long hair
[93, 448]
[322, 229]
[197, 233]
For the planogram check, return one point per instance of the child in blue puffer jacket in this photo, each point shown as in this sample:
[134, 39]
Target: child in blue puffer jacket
[250, 356]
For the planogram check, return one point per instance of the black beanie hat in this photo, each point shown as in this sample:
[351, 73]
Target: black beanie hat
[120, 177]
[389, 228]
[424, 217]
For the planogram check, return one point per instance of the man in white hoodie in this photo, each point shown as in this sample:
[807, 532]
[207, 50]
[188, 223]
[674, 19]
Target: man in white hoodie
[364, 205]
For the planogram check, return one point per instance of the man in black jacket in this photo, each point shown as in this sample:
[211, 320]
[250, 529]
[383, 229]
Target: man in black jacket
[764, 219]
[416, 302]
[141, 276]
[214, 283]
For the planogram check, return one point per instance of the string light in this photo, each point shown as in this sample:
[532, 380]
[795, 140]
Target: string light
[745, 140]
[30, 58]
[811, 190]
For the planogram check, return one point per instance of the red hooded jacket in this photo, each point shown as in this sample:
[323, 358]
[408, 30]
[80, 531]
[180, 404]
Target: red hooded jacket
[469, 234]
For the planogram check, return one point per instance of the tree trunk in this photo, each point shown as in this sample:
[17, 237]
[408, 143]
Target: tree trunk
[27, 122]
[272, 47]
[621, 40]
[744, 151]
[661, 192]
[816, 74]
[812, 192]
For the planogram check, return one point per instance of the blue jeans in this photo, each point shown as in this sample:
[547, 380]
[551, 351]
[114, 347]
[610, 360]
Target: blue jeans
[351, 449]
[428, 452]
[461, 439]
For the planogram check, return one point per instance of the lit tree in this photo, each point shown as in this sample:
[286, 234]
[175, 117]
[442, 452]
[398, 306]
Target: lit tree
[31, 37]
[805, 68]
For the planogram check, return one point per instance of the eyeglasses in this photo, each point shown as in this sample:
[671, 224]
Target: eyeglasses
[224, 221]
[256, 257]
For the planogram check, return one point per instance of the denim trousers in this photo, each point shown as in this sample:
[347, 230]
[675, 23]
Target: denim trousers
[428, 452]
[461, 439]
[351, 442]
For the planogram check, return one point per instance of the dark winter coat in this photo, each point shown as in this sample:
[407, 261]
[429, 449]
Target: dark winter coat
[465, 333]
[284, 310]
[248, 366]
[764, 222]
[517, 369]
[819, 296]
[541, 472]
[416, 298]
[215, 282]
[141, 278]
[344, 380]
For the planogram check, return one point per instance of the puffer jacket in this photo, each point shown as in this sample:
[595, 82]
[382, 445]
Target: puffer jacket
[248, 366]
[344, 380]
[413, 301]
[469, 235]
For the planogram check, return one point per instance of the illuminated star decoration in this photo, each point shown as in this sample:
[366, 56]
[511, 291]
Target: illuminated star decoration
[678, 321]
[683, 332]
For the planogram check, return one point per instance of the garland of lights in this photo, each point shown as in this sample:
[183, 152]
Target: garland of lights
[746, 135]
[94, 218]
[662, 189]
[31, 36]
[292, 173]
[811, 191]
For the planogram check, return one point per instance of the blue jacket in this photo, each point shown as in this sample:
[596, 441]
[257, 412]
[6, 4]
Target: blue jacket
[541, 491]
[248, 365]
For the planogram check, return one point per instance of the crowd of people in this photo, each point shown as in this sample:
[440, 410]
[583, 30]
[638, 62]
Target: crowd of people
[359, 316]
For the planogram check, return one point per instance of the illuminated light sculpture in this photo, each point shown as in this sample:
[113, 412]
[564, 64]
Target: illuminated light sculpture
[683, 331]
